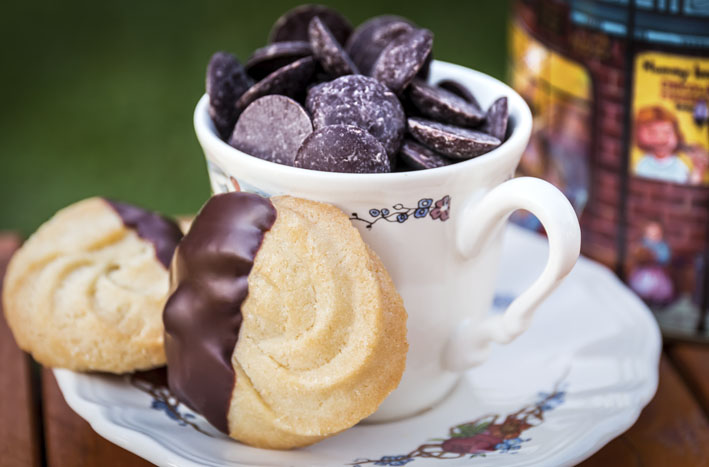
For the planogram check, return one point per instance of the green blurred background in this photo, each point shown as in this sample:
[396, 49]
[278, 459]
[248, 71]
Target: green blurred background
[98, 96]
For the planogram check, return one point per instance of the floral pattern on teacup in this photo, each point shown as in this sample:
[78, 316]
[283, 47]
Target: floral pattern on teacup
[426, 207]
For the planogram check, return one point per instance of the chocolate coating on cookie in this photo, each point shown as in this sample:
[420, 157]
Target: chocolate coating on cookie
[268, 59]
[360, 101]
[293, 24]
[163, 233]
[290, 80]
[451, 141]
[330, 54]
[418, 157]
[443, 106]
[403, 58]
[272, 128]
[496, 120]
[342, 148]
[209, 284]
[226, 81]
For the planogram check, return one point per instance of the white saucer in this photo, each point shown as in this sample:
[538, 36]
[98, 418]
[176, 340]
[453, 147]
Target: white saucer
[592, 341]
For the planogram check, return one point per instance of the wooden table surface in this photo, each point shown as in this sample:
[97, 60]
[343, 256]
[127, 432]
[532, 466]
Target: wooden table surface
[39, 428]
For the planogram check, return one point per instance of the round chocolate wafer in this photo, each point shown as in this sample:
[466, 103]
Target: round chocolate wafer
[272, 128]
[496, 120]
[268, 59]
[425, 70]
[293, 24]
[451, 141]
[403, 58]
[443, 106]
[342, 148]
[330, 54]
[459, 90]
[418, 157]
[371, 37]
[226, 81]
[360, 101]
[290, 80]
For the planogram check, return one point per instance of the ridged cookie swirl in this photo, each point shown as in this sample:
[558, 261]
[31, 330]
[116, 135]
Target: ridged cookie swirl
[323, 336]
[86, 291]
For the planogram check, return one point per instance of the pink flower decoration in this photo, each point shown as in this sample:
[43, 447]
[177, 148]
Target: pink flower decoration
[479, 443]
[442, 209]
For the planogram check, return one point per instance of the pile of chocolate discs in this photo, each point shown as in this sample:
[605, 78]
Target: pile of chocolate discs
[323, 96]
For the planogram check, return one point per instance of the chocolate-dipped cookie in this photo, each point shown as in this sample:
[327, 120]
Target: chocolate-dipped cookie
[86, 291]
[271, 302]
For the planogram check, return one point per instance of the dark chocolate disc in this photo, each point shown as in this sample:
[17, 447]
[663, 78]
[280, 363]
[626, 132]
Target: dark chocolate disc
[459, 90]
[371, 37]
[272, 128]
[290, 80]
[425, 70]
[266, 60]
[496, 120]
[418, 157]
[403, 58]
[330, 54]
[360, 101]
[293, 25]
[226, 82]
[342, 148]
[451, 141]
[442, 105]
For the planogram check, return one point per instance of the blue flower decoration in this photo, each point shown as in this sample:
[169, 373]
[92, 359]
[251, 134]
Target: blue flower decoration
[385, 212]
[509, 445]
[374, 212]
[552, 402]
[172, 413]
[425, 202]
[161, 405]
[394, 460]
[421, 212]
[502, 301]
[402, 217]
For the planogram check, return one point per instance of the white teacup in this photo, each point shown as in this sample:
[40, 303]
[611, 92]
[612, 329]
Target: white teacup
[438, 232]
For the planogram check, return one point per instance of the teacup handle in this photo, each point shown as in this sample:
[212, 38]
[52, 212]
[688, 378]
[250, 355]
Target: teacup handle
[481, 219]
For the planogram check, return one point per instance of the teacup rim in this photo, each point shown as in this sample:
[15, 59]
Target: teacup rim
[511, 148]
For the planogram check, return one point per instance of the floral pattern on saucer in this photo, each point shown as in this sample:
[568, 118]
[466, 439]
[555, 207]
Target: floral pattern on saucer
[485, 435]
[154, 383]
[477, 438]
